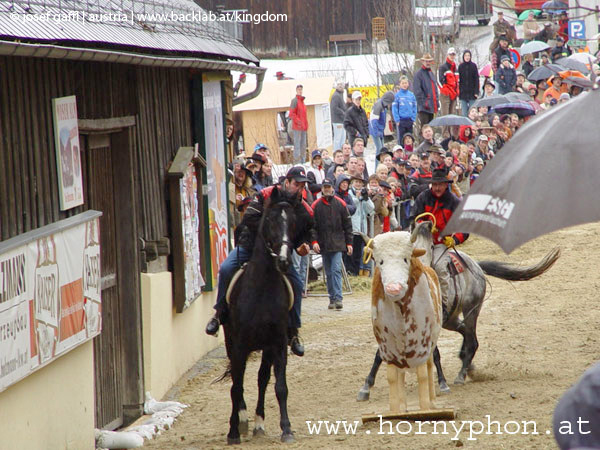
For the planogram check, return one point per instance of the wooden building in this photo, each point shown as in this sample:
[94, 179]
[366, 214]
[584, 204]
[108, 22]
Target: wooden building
[307, 27]
[141, 95]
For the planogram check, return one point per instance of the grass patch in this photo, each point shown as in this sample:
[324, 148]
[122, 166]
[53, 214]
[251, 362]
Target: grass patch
[360, 285]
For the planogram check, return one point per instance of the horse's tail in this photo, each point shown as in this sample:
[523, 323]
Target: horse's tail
[223, 376]
[511, 272]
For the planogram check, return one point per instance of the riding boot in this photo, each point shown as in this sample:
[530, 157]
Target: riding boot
[295, 342]
[212, 327]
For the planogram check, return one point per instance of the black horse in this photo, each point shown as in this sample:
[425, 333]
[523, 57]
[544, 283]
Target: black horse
[467, 293]
[258, 317]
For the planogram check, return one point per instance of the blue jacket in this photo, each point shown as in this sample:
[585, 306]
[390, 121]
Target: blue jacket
[404, 106]
[377, 119]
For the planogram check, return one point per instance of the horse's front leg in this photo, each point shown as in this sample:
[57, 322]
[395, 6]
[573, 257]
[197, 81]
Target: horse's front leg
[281, 390]
[365, 391]
[469, 348]
[238, 367]
[438, 367]
[264, 373]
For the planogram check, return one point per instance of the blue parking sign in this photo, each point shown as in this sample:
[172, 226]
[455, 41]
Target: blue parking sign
[576, 29]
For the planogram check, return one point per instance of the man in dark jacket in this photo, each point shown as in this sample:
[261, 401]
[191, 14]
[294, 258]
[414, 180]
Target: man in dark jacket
[299, 125]
[426, 91]
[338, 109]
[447, 76]
[560, 51]
[332, 236]
[468, 83]
[246, 233]
[501, 50]
[342, 186]
[355, 120]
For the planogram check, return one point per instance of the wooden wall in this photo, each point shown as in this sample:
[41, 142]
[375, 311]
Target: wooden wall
[158, 98]
[309, 24]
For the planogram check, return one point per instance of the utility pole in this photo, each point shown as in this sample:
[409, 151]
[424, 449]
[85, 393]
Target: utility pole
[378, 33]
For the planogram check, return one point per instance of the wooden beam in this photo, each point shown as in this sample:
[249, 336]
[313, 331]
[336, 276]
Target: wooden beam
[419, 415]
[114, 124]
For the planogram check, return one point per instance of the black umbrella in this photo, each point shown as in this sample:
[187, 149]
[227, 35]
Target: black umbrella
[573, 65]
[583, 83]
[521, 109]
[451, 120]
[545, 178]
[544, 72]
[492, 100]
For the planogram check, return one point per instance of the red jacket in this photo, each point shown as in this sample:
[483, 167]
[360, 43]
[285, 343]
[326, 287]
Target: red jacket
[448, 77]
[298, 114]
[442, 208]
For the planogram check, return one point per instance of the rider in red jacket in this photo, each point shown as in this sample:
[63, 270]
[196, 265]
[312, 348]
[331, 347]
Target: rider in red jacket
[439, 201]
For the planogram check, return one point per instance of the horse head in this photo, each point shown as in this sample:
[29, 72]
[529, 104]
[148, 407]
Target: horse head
[278, 229]
[422, 237]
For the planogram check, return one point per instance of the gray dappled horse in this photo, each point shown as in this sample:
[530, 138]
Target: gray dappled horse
[466, 295]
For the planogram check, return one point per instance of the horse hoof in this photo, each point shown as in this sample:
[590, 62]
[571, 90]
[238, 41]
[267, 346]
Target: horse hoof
[363, 396]
[471, 370]
[287, 438]
[258, 432]
[234, 441]
[243, 427]
[459, 380]
[444, 389]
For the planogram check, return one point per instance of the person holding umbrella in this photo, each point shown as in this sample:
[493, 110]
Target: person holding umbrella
[439, 201]
[560, 51]
[555, 88]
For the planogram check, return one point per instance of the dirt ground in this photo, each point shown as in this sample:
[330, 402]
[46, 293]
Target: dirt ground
[536, 339]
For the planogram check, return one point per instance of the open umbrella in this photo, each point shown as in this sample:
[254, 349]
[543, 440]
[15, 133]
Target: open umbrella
[555, 6]
[544, 72]
[517, 97]
[533, 47]
[583, 57]
[545, 178]
[573, 65]
[525, 14]
[486, 70]
[583, 83]
[450, 120]
[521, 109]
[490, 101]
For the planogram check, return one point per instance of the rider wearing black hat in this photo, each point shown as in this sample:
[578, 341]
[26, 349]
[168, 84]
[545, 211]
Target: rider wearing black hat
[439, 201]
[292, 187]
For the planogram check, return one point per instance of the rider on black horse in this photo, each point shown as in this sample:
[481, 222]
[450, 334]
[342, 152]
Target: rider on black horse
[246, 233]
[439, 201]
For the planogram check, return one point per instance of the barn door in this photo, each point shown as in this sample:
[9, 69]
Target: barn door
[107, 348]
[118, 348]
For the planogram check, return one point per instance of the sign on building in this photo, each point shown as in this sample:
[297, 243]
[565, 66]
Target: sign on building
[576, 29]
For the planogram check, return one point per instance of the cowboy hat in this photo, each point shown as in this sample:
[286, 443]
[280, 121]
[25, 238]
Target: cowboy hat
[439, 176]
[426, 57]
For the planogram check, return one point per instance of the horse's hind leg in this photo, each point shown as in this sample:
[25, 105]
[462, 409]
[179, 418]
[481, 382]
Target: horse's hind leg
[281, 390]
[469, 347]
[364, 393]
[238, 367]
[440, 373]
[264, 373]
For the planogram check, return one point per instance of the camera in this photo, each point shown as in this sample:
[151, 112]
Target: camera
[364, 193]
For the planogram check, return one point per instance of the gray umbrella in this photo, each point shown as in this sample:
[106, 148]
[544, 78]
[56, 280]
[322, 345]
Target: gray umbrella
[545, 178]
[544, 72]
[492, 100]
[517, 97]
[573, 65]
[533, 47]
[450, 120]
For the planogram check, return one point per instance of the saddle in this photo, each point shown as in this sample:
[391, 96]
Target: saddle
[239, 274]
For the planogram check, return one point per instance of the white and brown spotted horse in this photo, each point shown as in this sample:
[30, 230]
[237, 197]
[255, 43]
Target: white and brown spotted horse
[466, 295]
[406, 311]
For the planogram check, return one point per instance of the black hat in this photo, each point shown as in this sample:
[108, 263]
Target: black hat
[449, 155]
[424, 155]
[434, 148]
[327, 182]
[439, 176]
[298, 173]
[502, 37]
[258, 158]
[384, 152]
[384, 184]
[357, 177]
[398, 161]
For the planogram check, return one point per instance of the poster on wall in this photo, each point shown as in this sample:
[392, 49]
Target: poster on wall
[188, 186]
[216, 180]
[323, 125]
[68, 158]
[49, 298]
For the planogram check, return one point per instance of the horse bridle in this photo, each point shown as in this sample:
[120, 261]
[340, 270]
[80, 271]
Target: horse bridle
[285, 242]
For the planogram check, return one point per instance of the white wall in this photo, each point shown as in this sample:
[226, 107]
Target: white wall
[172, 342]
[54, 407]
